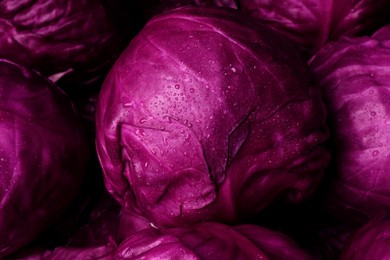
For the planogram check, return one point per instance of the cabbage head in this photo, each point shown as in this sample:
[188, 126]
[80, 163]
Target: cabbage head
[209, 116]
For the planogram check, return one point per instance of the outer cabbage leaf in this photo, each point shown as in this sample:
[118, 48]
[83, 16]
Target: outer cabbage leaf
[94, 239]
[311, 23]
[354, 77]
[43, 155]
[155, 7]
[369, 242]
[63, 35]
[208, 116]
[200, 241]
[69, 253]
[209, 241]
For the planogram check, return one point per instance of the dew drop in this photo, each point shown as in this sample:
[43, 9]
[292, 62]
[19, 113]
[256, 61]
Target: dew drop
[152, 225]
[177, 86]
[375, 153]
[192, 90]
[168, 118]
[373, 113]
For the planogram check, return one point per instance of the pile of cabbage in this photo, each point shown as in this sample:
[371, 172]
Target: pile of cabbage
[194, 129]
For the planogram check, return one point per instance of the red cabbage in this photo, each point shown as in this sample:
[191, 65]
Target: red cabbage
[354, 77]
[43, 155]
[311, 23]
[209, 116]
